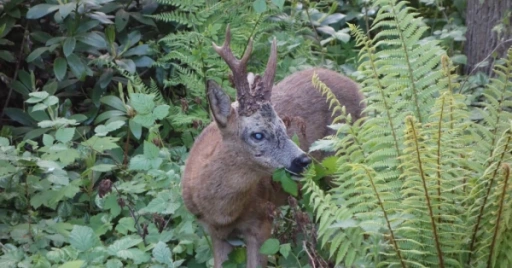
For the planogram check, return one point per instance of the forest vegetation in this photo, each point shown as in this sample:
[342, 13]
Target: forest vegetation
[102, 100]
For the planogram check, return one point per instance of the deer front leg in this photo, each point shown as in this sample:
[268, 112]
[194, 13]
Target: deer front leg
[221, 250]
[254, 238]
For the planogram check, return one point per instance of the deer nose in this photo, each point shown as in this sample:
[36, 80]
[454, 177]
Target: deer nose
[300, 163]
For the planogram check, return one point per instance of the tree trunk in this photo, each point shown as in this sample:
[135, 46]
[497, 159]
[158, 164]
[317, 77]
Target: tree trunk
[481, 41]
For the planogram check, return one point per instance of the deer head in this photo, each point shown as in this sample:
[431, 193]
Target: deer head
[252, 128]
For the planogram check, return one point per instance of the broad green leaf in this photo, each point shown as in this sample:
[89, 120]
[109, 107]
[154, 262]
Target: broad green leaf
[162, 204]
[93, 39]
[7, 56]
[140, 50]
[150, 150]
[39, 107]
[124, 243]
[146, 120]
[38, 96]
[69, 46]
[126, 225]
[48, 140]
[59, 68]
[126, 64]
[101, 144]
[65, 134]
[65, 9]
[139, 162]
[106, 77]
[270, 247]
[114, 102]
[36, 53]
[142, 103]
[77, 66]
[72, 264]
[51, 100]
[4, 141]
[135, 128]
[51, 87]
[279, 3]
[260, 6]
[137, 255]
[162, 253]
[103, 167]
[83, 238]
[161, 111]
[285, 249]
[121, 20]
[19, 116]
[114, 263]
[40, 10]
[58, 122]
[289, 185]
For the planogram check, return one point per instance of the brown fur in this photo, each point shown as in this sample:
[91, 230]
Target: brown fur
[228, 193]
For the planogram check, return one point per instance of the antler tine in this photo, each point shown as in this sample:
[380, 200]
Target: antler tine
[270, 71]
[238, 67]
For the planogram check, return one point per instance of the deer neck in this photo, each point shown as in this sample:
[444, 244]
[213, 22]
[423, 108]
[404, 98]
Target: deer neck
[237, 173]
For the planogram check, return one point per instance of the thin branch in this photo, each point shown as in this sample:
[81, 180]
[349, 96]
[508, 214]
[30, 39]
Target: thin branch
[498, 46]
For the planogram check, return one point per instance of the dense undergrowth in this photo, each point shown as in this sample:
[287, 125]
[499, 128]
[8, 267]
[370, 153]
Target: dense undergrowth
[104, 99]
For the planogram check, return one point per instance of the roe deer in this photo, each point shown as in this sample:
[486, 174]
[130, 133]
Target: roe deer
[227, 179]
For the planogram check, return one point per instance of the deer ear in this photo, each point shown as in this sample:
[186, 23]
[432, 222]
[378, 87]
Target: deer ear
[219, 103]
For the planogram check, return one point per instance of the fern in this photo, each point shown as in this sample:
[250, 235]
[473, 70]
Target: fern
[417, 172]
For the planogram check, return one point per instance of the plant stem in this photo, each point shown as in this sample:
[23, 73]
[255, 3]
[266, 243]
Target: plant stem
[425, 189]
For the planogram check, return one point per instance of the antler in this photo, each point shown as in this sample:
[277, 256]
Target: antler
[238, 67]
[248, 100]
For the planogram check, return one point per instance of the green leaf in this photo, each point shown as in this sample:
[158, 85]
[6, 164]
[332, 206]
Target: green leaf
[93, 39]
[102, 130]
[279, 3]
[59, 68]
[51, 100]
[40, 10]
[77, 66]
[126, 64]
[36, 53]
[121, 20]
[270, 247]
[4, 141]
[125, 225]
[83, 238]
[260, 6]
[101, 144]
[7, 56]
[69, 46]
[151, 150]
[142, 103]
[19, 116]
[161, 111]
[114, 102]
[48, 140]
[146, 120]
[38, 96]
[289, 185]
[285, 249]
[72, 264]
[65, 134]
[140, 50]
[135, 128]
[103, 167]
[124, 243]
[162, 253]
[51, 88]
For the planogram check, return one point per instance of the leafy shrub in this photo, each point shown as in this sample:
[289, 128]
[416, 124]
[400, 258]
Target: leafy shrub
[419, 183]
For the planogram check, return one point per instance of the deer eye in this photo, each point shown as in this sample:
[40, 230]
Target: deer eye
[258, 136]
